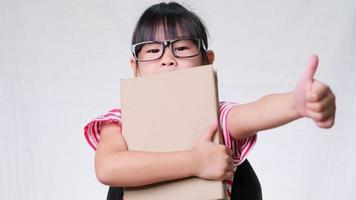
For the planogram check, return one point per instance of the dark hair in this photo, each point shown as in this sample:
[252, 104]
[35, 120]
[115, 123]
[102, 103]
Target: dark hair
[173, 18]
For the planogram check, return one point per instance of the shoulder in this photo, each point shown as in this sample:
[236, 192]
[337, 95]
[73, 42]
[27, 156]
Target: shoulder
[223, 105]
[92, 130]
[224, 108]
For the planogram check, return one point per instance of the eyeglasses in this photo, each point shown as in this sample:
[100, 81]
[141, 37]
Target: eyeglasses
[154, 50]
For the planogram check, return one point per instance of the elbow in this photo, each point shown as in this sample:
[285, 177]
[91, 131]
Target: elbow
[111, 176]
[103, 175]
[103, 178]
[106, 172]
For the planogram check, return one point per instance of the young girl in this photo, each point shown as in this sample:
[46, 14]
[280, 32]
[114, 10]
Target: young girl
[170, 37]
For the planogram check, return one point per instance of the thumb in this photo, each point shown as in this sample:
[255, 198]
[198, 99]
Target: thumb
[309, 73]
[304, 85]
[208, 135]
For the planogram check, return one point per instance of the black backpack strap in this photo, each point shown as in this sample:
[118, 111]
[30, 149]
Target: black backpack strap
[246, 185]
[115, 193]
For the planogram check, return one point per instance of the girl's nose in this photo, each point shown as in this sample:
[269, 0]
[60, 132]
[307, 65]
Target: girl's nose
[168, 59]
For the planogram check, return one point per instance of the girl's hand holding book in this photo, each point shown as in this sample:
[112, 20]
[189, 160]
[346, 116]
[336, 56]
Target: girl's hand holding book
[212, 161]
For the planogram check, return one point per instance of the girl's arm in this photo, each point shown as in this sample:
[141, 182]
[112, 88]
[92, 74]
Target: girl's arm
[116, 166]
[311, 99]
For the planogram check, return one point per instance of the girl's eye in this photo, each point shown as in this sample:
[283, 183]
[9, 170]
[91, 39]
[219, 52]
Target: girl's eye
[152, 51]
[180, 48]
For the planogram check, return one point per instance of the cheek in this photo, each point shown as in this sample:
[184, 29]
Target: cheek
[193, 62]
[148, 68]
[147, 71]
[200, 61]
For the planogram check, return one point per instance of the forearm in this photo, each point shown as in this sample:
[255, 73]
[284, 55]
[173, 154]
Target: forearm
[116, 166]
[130, 169]
[268, 112]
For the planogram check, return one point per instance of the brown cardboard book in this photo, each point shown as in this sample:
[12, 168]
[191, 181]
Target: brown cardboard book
[169, 112]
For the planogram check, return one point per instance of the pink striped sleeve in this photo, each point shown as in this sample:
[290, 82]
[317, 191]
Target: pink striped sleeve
[240, 147]
[92, 129]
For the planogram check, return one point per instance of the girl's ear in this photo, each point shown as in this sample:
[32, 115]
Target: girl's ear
[210, 55]
[134, 67]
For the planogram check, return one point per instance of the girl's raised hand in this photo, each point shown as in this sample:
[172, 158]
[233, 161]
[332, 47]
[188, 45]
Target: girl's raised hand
[315, 99]
[213, 161]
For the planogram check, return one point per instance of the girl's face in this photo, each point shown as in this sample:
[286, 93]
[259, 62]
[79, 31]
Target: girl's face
[168, 61]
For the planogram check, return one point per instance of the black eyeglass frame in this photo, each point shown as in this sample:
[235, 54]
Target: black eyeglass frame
[166, 43]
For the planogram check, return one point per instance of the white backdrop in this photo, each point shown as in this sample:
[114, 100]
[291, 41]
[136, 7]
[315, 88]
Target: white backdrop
[61, 63]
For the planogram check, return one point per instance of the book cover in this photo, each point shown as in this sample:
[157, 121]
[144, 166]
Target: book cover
[169, 112]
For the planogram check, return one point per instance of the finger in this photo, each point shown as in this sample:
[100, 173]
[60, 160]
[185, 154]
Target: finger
[313, 65]
[306, 80]
[228, 175]
[210, 132]
[321, 116]
[327, 123]
[229, 151]
[311, 96]
[230, 168]
[229, 160]
[318, 91]
[323, 104]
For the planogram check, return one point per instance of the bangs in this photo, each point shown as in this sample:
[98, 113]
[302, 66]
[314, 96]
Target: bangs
[166, 27]
[169, 21]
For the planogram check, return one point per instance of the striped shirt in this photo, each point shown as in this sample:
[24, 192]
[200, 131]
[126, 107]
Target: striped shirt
[240, 147]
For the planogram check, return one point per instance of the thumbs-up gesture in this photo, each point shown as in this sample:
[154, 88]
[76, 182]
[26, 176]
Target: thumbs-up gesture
[213, 161]
[315, 99]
